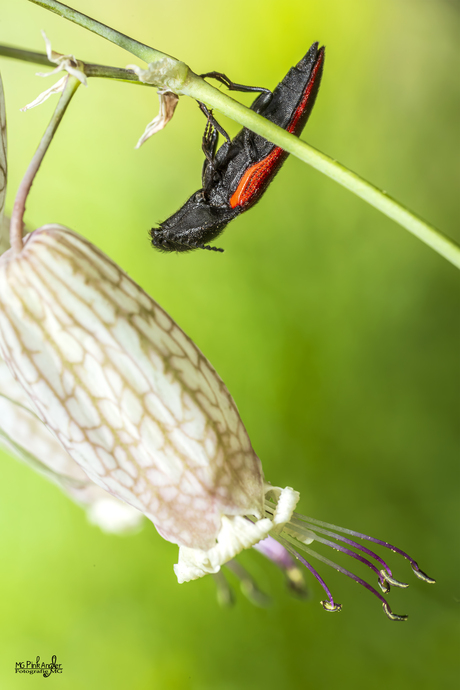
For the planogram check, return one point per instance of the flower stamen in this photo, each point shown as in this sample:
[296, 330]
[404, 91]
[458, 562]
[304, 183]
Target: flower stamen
[278, 555]
[248, 585]
[359, 580]
[385, 571]
[225, 595]
[414, 565]
[329, 605]
[337, 547]
[301, 531]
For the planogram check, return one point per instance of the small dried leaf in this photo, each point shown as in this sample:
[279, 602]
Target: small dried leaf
[168, 103]
[58, 87]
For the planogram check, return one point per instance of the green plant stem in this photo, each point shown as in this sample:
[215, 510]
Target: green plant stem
[16, 225]
[142, 51]
[446, 247]
[26, 55]
[90, 70]
[192, 85]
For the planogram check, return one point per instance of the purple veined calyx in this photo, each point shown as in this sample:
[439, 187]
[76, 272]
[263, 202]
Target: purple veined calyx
[142, 412]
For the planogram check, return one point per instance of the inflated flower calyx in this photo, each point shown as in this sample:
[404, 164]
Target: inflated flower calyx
[24, 436]
[124, 390]
[139, 408]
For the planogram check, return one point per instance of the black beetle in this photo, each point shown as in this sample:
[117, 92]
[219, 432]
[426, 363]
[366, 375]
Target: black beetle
[235, 177]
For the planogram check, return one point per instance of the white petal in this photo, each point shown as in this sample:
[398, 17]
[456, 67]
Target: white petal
[57, 69]
[287, 502]
[41, 98]
[66, 62]
[114, 516]
[63, 62]
[71, 66]
[49, 52]
[236, 534]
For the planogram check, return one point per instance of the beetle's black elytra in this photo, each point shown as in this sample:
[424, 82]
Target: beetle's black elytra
[236, 176]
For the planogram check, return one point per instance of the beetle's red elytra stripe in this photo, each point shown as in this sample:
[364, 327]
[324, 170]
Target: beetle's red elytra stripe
[254, 178]
[303, 103]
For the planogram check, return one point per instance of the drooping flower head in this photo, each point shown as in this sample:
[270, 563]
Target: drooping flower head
[139, 408]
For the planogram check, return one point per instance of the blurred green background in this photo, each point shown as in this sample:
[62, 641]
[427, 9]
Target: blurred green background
[334, 329]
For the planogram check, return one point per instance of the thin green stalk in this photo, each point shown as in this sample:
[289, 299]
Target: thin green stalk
[185, 82]
[90, 70]
[16, 225]
[442, 244]
[26, 55]
[142, 51]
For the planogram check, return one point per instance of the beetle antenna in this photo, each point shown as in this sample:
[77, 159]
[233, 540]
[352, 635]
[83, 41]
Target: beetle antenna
[209, 248]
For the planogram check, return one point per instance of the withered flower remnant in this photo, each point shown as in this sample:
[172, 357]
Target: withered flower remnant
[66, 63]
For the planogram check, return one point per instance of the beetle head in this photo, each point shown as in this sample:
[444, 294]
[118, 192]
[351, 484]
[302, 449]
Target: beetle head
[195, 224]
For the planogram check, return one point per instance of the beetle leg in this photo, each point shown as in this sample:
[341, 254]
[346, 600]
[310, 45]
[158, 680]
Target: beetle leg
[209, 146]
[250, 146]
[231, 85]
[212, 120]
[261, 102]
[209, 142]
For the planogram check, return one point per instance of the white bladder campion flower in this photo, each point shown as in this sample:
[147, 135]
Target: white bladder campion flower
[136, 404]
